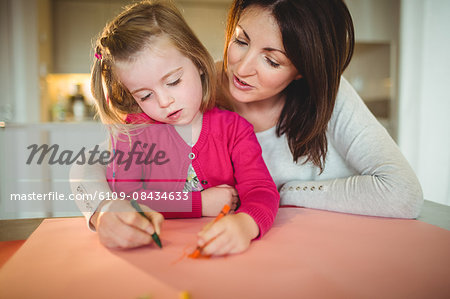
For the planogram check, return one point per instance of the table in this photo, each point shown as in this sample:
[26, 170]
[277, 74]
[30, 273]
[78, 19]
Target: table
[308, 253]
[435, 213]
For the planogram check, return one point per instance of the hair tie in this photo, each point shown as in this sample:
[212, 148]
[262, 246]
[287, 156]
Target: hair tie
[98, 56]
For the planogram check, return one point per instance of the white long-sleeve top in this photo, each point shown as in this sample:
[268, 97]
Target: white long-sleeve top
[365, 172]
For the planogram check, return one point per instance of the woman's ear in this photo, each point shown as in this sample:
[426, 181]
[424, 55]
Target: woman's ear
[299, 76]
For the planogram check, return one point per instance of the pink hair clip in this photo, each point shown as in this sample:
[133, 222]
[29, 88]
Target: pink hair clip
[98, 56]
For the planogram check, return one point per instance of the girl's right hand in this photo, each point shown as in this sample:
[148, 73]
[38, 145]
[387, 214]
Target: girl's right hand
[120, 226]
[213, 199]
[230, 235]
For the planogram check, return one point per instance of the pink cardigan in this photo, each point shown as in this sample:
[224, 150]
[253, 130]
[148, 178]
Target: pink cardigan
[227, 152]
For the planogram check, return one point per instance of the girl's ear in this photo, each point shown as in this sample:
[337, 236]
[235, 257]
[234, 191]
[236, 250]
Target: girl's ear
[299, 76]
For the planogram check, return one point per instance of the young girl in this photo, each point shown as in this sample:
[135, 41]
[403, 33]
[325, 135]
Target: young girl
[150, 67]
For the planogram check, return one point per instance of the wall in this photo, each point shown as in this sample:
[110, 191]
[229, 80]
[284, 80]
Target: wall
[424, 122]
[211, 29]
[45, 53]
[5, 82]
[19, 42]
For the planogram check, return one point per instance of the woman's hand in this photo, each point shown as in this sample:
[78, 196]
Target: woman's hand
[213, 199]
[119, 225]
[231, 234]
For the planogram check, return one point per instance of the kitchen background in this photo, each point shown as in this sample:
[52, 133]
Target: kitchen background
[400, 68]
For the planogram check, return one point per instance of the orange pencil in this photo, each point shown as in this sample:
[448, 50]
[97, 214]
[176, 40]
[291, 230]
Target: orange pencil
[198, 250]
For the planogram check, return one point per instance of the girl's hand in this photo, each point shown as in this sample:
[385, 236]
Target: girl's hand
[119, 225]
[231, 234]
[213, 199]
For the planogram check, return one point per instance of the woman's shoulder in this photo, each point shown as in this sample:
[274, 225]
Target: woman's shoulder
[350, 112]
[346, 95]
[348, 102]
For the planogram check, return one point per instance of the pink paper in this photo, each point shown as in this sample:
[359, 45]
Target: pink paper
[308, 253]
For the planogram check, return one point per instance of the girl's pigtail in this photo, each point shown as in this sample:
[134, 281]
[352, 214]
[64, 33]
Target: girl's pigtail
[98, 91]
[96, 83]
[98, 88]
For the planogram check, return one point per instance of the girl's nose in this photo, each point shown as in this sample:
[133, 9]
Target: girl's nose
[246, 65]
[165, 101]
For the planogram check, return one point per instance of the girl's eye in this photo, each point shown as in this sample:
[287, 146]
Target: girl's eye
[174, 82]
[239, 42]
[272, 63]
[146, 97]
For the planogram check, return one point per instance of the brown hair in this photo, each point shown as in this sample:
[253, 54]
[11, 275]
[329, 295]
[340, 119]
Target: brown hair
[133, 31]
[318, 38]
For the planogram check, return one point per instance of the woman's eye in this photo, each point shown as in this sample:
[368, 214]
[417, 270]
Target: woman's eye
[146, 97]
[239, 42]
[174, 82]
[272, 63]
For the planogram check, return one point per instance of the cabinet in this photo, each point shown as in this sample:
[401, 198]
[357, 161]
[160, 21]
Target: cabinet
[373, 71]
[375, 21]
[76, 25]
[21, 177]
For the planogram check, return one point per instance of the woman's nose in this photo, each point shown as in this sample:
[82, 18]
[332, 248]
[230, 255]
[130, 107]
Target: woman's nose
[246, 65]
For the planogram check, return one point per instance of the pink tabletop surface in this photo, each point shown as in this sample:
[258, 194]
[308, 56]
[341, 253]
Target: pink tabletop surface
[307, 254]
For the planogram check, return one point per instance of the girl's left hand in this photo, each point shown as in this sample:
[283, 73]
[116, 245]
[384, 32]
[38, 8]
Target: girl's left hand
[231, 234]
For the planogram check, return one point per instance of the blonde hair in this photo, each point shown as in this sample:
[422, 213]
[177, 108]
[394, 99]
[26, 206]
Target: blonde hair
[131, 32]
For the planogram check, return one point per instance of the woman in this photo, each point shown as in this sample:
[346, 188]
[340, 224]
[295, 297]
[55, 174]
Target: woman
[323, 147]
[282, 72]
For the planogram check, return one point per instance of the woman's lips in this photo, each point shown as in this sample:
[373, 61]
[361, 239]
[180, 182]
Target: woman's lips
[174, 115]
[242, 85]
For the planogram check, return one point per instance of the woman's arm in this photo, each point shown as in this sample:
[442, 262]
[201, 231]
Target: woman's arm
[88, 183]
[386, 186]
